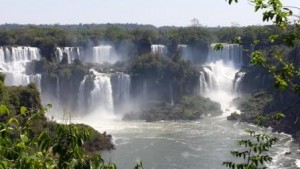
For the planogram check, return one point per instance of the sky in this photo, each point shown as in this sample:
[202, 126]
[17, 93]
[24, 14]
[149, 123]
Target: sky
[210, 13]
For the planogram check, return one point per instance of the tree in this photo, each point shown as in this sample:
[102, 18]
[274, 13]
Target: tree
[286, 73]
[64, 149]
[195, 23]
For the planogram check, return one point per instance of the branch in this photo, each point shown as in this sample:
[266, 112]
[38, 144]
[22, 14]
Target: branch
[294, 7]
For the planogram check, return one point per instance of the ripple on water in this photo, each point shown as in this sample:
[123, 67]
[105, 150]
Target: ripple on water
[187, 154]
[120, 141]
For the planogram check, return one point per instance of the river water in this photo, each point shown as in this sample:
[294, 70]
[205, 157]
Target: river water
[201, 144]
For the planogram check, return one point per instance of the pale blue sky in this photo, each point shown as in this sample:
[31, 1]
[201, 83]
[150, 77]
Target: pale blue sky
[156, 12]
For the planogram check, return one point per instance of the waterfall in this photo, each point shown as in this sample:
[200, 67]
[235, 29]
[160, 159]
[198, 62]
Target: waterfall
[57, 88]
[100, 96]
[81, 102]
[105, 54]
[121, 87]
[237, 80]
[217, 77]
[171, 94]
[121, 90]
[203, 84]
[183, 51]
[17, 79]
[145, 90]
[230, 54]
[71, 52]
[159, 49]
[13, 62]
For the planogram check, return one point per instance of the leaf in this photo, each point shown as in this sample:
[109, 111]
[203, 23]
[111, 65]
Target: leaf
[256, 41]
[39, 154]
[44, 141]
[23, 110]
[278, 116]
[24, 138]
[4, 110]
[13, 120]
[273, 38]
[21, 145]
[280, 83]
[3, 164]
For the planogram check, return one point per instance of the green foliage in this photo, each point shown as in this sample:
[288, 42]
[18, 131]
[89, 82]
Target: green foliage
[200, 104]
[187, 108]
[3, 93]
[254, 153]
[161, 74]
[218, 46]
[273, 10]
[282, 68]
[285, 77]
[139, 165]
[27, 96]
[64, 149]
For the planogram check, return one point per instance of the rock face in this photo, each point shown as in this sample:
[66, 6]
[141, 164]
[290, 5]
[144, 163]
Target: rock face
[234, 116]
[254, 79]
[267, 104]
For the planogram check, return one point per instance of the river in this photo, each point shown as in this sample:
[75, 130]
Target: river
[201, 144]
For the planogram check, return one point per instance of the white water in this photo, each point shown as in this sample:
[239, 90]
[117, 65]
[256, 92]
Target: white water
[107, 90]
[183, 51]
[105, 54]
[121, 90]
[71, 52]
[205, 143]
[101, 96]
[159, 49]
[13, 62]
[217, 76]
[57, 88]
[298, 163]
[230, 54]
[81, 96]
[237, 81]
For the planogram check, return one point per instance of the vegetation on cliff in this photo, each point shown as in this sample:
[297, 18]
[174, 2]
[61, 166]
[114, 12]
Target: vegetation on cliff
[187, 108]
[29, 140]
[164, 77]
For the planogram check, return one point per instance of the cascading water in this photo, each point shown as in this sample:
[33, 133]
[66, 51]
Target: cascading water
[181, 144]
[100, 96]
[104, 54]
[57, 88]
[13, 62]
[203, 86]
[159, 49]
[237, 80]
[71, 52]
[217, 76]
[82, 95]
[183, 51]
[145, 90]
[171, 94]
[230, 54]
[121, 88]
